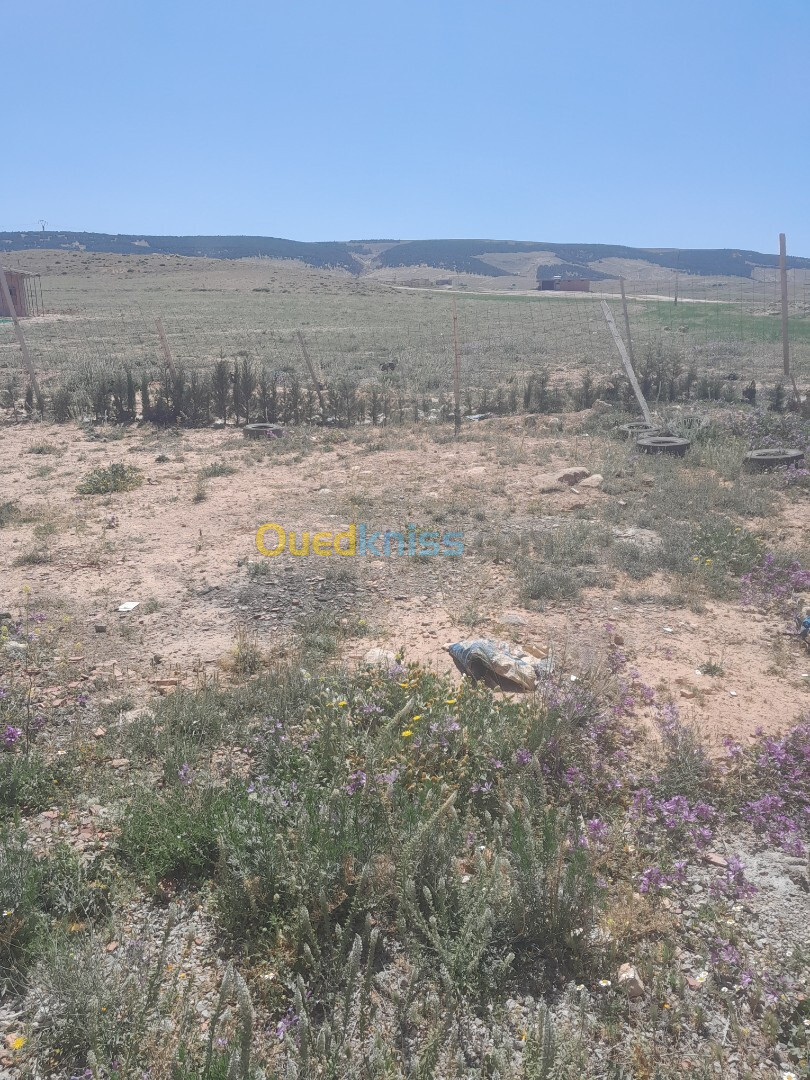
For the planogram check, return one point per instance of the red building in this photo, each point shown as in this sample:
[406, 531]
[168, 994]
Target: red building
[565, 285]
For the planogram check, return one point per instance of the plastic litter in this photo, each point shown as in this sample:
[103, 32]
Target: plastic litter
[130, 605]
[497, 664]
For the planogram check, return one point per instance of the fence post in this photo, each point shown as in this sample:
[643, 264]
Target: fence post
[456, 375]
[627, 325]
[784, 290]
[316, 381]
[631, 375]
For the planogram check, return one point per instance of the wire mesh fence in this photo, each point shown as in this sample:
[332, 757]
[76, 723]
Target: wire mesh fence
[689, 337]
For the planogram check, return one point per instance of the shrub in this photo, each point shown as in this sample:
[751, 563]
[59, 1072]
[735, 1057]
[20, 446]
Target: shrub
[216, 468]
[174, 836]
[28, 782]
[33, 557]
[20, 878]
[633, 559]
[61, 404]
[9, 513]
[539, 582]
[111, 478]
[102, 1013]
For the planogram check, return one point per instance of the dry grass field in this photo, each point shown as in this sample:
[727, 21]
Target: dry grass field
[103, 311]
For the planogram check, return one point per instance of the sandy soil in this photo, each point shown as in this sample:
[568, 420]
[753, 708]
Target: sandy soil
[187, 562]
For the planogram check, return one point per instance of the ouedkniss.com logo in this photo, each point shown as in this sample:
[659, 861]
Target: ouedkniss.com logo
[273, 539]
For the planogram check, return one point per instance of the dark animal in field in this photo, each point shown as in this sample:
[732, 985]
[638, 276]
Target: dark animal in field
[749, 394]
[732, 376]
[388, 365]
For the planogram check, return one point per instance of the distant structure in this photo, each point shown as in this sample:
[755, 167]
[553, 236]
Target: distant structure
[564, 285]
[26, 295]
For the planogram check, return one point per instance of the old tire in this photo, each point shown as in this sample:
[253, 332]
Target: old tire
[262, 431]
[637, 429]
[663, 444]
[778, 457]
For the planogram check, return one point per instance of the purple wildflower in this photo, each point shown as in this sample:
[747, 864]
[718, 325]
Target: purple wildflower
[357, 781]
[10, 736]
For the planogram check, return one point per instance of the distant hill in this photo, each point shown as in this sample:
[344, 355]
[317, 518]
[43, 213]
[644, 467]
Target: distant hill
[327, 254]
[575, 259]
[479, 257]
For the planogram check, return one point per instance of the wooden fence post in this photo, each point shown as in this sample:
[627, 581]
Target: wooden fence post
[313, 376]
[784, 291]
[456, 375]
[167, 352]
[631, 375]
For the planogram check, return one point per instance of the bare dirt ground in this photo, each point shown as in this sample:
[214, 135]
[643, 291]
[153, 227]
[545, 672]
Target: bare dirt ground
[192, 565]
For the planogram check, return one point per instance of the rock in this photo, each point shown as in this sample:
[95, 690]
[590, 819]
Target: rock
[379, 658]
[630, 979]
[648, 481]
[509, 618]
[713, 859]
[16, 648]
[100, 628]
[601, 406]
[594, 481]
[573, 475]
[120, 763]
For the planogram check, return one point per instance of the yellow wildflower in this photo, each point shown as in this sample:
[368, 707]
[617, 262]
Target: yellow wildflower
[407, 733]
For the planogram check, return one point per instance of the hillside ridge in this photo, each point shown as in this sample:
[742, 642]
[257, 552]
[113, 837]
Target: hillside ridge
[469, 256]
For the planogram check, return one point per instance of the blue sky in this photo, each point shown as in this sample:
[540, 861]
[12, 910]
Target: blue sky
[636, 121]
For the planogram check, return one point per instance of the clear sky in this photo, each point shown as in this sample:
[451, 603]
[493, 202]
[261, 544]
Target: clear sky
[644, 122]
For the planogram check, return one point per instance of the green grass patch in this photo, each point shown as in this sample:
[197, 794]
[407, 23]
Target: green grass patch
[110, 479]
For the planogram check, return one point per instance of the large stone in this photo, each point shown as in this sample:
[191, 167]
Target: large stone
[594, 481]
[573, 475]
[379, 658]
[509, 618]
[630, 979]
